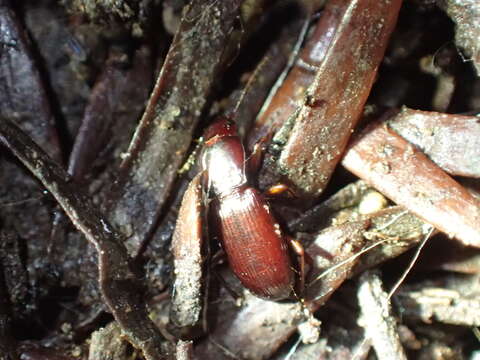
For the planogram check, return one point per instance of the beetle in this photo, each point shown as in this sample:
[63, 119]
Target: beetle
[255, 246]
[240, 216]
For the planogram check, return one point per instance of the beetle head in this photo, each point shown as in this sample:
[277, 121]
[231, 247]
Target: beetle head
[223, 126]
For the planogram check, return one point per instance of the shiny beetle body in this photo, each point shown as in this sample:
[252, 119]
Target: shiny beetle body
[257, 250]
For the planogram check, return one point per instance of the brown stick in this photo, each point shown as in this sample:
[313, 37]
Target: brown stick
[451, 141]
[334, 102]
[286, 99]
[398, 170]
[20, 80]
[377, 318]
[189, 260]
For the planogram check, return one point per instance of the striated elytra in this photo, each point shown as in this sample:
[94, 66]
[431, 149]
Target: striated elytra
[257, 250]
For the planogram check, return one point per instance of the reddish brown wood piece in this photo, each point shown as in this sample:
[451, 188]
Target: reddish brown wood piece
[292, 90]
[451, 141]
[404, 174]
[186, 311]
[334, 102]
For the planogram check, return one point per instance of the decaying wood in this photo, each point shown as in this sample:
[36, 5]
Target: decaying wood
[453, 300]
[336, 342]
[450, 141]
[333, 103]
[184, 350]
[377, 318]
[107, 344]
[190, 262]
[389, 163]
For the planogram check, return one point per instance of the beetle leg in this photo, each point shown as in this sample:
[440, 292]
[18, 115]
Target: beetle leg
[302, 257]
[235, 295]
[280, 189]
[254, 161]
[218, 258]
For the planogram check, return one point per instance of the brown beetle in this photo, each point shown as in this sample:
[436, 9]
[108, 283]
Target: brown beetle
[257, 250]
[239, 215]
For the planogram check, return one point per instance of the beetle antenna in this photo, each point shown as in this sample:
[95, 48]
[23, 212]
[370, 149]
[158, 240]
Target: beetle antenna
[346, 261]
[361, 252]
[23, 201]
[250, 82]
[291, 62]
[293, 349]
[412, 262]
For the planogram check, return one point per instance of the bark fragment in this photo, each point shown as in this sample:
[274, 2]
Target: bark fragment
[334, 102]
[189, 259]
[451, 300]
[377, 319]
[107, 344]
[389, 163]
[450, 141]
